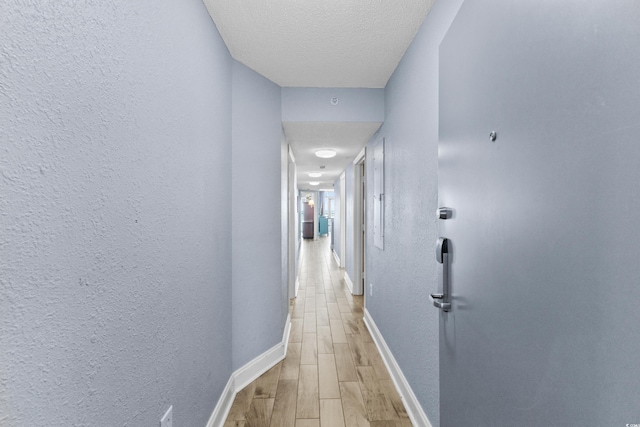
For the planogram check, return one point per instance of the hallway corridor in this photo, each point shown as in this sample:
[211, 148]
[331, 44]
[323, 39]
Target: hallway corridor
[333, 375]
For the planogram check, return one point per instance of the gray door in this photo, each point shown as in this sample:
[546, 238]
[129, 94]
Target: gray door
[544, 235]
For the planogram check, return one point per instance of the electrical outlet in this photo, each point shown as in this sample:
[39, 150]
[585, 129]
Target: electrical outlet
[370, 289]
[167, 419]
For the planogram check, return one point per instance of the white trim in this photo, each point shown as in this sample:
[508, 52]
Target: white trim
[285, 337]
[358, 227]
[411, 404]
[297, 286]
[343, 218]
[348, 281]
[219, 415]
[292, 215]
[258, 366]
[359, 156]
[336, 257]
[247, 374]
[316, 214]
[261, 364]
[291, 156]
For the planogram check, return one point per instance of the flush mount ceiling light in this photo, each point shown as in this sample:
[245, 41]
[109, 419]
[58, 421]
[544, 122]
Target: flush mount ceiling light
[314, 183]
[315, 174]
[326, 153]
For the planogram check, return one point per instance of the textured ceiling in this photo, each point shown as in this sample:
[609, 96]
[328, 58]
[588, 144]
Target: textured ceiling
[328, 43]
[347, 138]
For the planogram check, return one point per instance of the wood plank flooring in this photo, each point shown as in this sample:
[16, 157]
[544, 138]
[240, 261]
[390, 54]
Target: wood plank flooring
[333, 375]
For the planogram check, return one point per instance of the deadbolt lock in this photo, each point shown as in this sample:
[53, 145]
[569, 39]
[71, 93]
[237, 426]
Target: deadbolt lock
[445, 213]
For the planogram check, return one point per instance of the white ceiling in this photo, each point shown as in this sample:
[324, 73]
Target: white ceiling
[327, 43]
[347, 138]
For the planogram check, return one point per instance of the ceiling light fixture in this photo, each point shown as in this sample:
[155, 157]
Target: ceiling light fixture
[314, 183]
[326, 153]
[315, 174]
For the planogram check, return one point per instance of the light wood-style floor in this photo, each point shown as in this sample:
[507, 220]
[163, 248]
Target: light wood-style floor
[333, 375]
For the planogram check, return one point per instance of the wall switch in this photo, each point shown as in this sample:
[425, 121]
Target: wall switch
[370, 289]
[167, 419]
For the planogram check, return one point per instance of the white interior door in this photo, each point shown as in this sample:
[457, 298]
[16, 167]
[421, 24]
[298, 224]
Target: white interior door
[544, 278]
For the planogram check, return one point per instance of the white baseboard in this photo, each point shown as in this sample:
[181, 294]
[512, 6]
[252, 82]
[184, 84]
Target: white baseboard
[261, 364]
[411, 404]
[336, 257]
[223, 406]
[348, 281]
[247, 374]
[285, 336]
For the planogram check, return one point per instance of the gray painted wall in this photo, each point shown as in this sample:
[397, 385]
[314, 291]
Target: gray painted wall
[405, 273]
[259, 310]
[313, 105]
[115, 179]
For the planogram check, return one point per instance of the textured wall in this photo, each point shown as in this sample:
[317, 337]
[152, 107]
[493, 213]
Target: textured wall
[259, 310]
[406, 272]
[114, 204]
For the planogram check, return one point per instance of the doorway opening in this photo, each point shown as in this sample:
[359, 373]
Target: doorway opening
[359, 220]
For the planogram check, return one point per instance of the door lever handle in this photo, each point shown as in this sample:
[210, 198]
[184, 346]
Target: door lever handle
[439, 299]
[444, 306]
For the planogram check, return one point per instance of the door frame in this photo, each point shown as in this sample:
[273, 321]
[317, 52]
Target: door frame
[316, 214]
[292, 194]
[343, 220]
[358, 223]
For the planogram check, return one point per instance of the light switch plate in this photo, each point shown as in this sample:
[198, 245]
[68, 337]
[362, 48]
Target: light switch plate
[167, 419]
